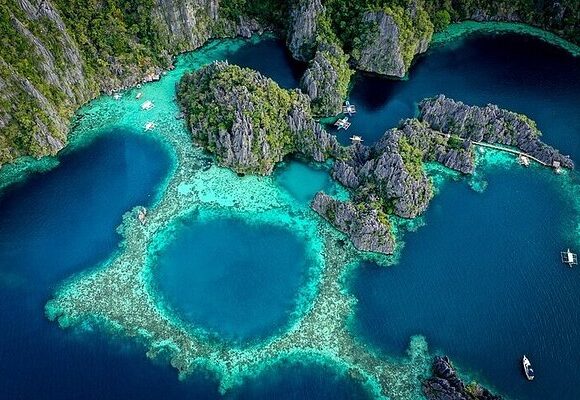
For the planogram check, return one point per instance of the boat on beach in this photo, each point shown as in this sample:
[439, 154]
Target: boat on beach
[528, 368]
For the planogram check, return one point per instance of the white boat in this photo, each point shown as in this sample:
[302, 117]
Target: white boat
[528, 368]
[139, 95]
[149, 126]
[116, 96]
[147, 105]
[569, 258]
[356, 139]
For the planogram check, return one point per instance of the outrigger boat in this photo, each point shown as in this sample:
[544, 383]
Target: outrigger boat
[569, 258]
[528, 368]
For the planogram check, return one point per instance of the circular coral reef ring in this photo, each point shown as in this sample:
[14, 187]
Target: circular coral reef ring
[118, 295]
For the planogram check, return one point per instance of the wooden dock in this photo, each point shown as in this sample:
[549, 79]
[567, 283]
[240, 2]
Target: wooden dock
[506, 149]
[513, 151]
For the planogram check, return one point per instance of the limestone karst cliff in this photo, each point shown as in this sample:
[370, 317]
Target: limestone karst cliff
[57, 54]
[248, 121]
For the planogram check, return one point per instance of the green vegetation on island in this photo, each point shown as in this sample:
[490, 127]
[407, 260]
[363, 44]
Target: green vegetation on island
[57, 54]
[247, 120]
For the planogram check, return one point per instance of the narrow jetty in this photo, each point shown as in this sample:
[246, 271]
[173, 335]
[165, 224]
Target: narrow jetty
[513, 151]
[523, 158]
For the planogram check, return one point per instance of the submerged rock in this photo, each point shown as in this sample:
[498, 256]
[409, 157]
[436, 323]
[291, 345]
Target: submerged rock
[248, 121]
[326, 80]
[367, 227]
[446, 385]
[489, 124]
[392, 38]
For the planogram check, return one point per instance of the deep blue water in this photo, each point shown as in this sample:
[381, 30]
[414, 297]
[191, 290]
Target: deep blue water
[483, 279]
[514, 297]
[232, 278]
[520, 73]
[271, 58]
[51, 226]
[484, 283]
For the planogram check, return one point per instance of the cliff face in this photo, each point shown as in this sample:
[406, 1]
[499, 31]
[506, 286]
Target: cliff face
[58, 54]
[248, 121]
[391, 40]
[363, 224]
[41, 84]
[388, 179]
[303, 21]
[326, 80]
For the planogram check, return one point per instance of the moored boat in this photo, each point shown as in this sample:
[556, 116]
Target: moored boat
[528, 368]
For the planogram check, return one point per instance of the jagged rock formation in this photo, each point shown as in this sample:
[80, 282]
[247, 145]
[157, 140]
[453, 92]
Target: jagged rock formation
[367, 227]
[301, 39]
[388, 178]
[392, 39]
[57, 54]
[446, 385]
[248, 121]
[57, 59]
[326, 80]
[489, 124]
[392, 169]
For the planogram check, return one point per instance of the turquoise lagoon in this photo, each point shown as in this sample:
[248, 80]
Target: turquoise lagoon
[481, 280]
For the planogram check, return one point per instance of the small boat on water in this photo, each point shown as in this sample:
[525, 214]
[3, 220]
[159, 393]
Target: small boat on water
[569, 258]
[117, 96]
[139, 95]
[528, 368]
[149, 126]
[147, 105]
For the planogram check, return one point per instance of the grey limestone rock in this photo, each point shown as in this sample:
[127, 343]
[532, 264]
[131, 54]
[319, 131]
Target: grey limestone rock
[489, 124]
[301, 39]
[446, 385]
[362, 224]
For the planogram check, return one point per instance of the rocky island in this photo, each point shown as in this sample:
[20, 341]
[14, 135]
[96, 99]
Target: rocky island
[57, 59]
[251, 124]
[248, 121]
[446, 385]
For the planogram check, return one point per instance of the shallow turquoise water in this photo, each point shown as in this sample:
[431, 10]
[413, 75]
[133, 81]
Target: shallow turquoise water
[516, 298]
[238, 280]
[303, 180]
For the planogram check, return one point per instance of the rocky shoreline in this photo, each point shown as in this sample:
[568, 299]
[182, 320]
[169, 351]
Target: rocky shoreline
[446, 385]
[248, 121]
[251, 124]
[61, 72]
[489, 124]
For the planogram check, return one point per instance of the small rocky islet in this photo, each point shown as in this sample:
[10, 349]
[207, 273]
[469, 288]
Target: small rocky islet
[251, 124]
